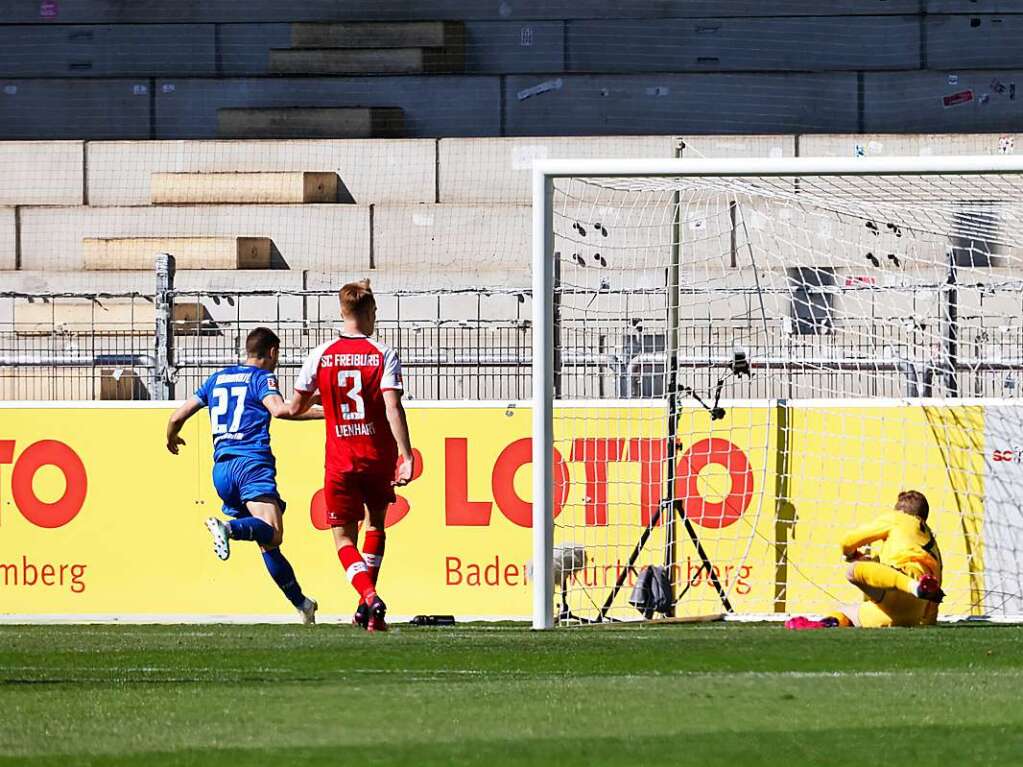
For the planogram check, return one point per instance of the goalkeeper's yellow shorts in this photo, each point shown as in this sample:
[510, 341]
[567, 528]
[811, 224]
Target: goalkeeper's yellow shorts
[896, 609]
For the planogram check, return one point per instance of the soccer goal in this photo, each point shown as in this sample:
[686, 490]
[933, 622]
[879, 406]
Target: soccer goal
[737, 361]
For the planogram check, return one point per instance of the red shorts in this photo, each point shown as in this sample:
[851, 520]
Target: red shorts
[348, 494]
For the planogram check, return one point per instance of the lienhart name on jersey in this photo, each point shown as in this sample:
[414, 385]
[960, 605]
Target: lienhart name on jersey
[355, 429]
[350, 360]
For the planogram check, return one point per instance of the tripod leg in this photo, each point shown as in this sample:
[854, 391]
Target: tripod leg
[711, 575]
[630, 567]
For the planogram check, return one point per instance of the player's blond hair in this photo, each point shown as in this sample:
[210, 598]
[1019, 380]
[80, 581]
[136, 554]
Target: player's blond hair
[356, 298]
[914, 503]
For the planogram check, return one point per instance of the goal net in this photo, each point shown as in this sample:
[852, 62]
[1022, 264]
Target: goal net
[736, 362]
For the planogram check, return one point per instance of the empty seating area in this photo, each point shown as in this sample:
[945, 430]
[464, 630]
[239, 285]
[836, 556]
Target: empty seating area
[457, 207]
[459, 68]
[279, 150]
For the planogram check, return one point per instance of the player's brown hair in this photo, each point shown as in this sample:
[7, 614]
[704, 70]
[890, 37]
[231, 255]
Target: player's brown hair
[914, 503]
[356, 298]
[259, 343]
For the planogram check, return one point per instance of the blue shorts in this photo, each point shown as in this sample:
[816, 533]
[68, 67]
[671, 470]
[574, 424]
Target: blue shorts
[240, 478]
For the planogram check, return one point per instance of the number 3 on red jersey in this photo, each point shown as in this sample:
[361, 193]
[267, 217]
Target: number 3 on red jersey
[349, 384]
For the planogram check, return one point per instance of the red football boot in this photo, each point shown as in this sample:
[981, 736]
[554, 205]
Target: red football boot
[799, 623]
[361, 617]
[377, 615]
[930, 589]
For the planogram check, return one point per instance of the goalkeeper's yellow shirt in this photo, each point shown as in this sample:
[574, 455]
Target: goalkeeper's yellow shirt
[907, 543]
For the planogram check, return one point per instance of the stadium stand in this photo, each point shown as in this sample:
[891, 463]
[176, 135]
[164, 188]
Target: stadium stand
[523, 68]
[229, 134]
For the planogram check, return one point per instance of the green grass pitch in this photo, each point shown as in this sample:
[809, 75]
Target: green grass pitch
[710, 694]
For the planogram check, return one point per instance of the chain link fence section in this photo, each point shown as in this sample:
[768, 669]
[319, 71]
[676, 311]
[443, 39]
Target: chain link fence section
[77, 346]
[465, 345]
[484, 355]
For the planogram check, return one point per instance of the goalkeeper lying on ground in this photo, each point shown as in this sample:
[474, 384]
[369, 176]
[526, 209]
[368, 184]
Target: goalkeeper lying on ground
[902, 586]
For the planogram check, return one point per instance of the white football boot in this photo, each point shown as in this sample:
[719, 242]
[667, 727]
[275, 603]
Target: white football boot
[221, 543]
[307, 612]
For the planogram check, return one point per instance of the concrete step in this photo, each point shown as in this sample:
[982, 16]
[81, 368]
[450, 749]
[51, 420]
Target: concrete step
[102, 318]
[428, 34]
[379, 171]
[250, 188]
[42, 172]
[128, 253]
[326, 237]
[311, 122]
[364, 61]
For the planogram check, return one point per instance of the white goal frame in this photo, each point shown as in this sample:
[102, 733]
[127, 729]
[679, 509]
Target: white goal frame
[544, 174]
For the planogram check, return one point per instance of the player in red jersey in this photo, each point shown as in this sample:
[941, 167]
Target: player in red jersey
[368, 445]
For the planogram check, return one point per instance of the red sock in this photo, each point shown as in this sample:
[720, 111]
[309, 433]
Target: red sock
[355, 569]
[373, 552]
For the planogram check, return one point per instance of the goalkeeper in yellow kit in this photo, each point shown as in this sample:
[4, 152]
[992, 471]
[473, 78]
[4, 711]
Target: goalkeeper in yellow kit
[902, 585]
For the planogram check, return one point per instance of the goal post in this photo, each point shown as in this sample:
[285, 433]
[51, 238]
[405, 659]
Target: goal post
[764, 352]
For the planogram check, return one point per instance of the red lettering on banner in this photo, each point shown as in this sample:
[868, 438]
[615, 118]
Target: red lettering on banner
[48, 452]
[453, 568]
[493, 573]
[723, 453]
[458, 509]
[513, 458]
[6, 451]
[649, 453]
[395, 512]
[595, 453]
[318, 511]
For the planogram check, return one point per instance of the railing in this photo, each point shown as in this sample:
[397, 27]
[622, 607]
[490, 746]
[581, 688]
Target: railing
[476, 345]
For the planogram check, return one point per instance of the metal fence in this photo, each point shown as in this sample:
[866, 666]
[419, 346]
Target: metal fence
[476, 345]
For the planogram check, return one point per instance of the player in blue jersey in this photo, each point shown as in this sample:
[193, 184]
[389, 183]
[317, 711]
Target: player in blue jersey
[241, 400]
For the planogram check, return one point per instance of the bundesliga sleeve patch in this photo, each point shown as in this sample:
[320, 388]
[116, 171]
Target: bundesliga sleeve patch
[271, 383]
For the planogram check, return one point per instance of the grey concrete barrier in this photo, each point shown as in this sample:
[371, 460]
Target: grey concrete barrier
[154, 11]
[972, 6]
[967, 101]
[107, 50]
[500, 47]
[245, 48]
[973, 42]
[444, 105]
[821, 44]
[680, 103]
[74, 109]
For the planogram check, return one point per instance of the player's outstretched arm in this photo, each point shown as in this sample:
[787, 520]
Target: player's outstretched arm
[861, 536]
[399, 429]
[177, 420]
[292, 410]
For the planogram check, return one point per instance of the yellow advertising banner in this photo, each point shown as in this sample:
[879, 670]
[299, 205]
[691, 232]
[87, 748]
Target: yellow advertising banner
[97, 519]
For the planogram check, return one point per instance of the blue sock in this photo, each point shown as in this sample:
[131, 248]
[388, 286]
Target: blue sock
[251, 529]
[284, 576]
